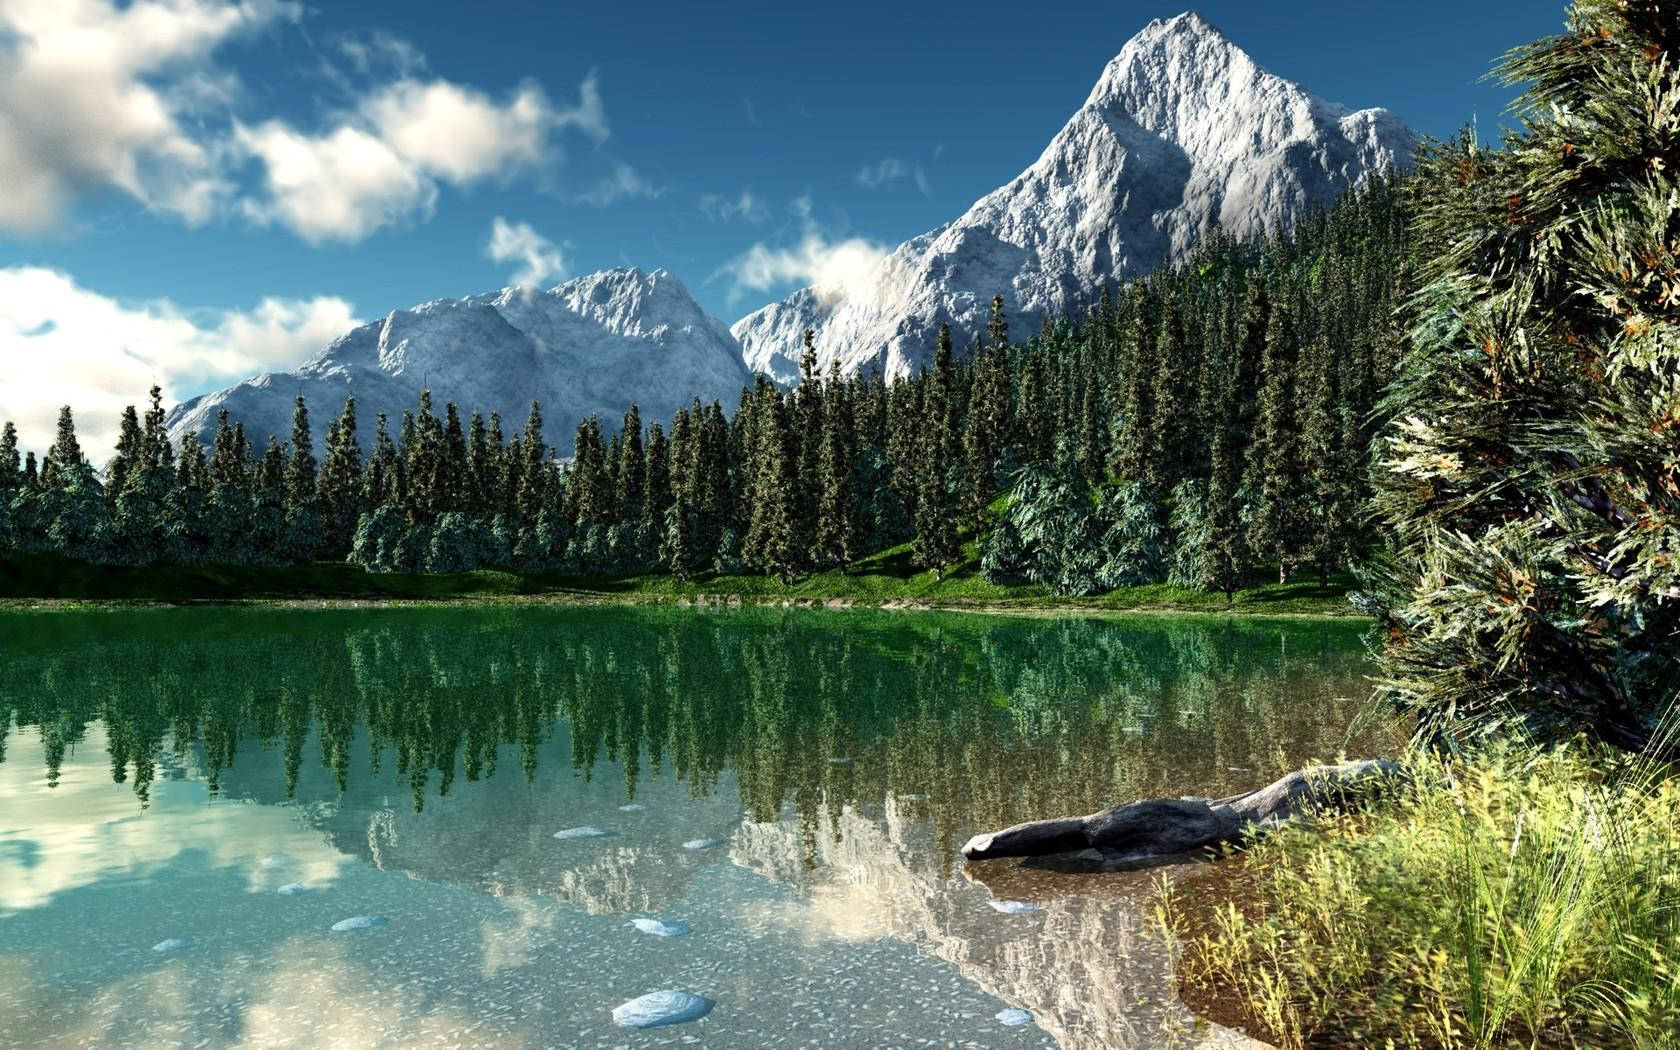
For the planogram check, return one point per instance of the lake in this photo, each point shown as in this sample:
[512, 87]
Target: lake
[191, 799]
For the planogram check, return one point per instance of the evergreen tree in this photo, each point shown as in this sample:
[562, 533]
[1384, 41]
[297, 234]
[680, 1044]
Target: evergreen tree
[772, 543]
[130, 454]
[64, 464]
[11, 468]
[936, 525]
[1530, 469]
[454, 469]
[300, 468]
[1274, 463]
[340, 489]
[839, 528]
[533, 453]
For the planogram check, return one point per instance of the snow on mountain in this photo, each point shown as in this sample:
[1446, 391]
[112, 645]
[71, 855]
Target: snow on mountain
[1182, 132]
[591, 345]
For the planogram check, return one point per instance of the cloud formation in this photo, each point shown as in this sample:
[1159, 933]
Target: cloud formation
[719, 208]
[891, 169]
[540, 259]
[624, 182]
[98, 354]
[382, 164]
[98, 97]
[834, 268]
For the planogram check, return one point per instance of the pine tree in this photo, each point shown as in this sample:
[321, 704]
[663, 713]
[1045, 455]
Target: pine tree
[984, 432]
[1166, 460]
[379, 481]
[340, 487]
[300, 468]
[656, 481]
[454, 469]
[810, 417]
[533, 454]
[631, 471]
[1528, 472]
[64, 464]
[481, 467]
[227, 460]
[159, 452]
[1134, 446]
[936, 525]
[11, 468]
[772, 542]
[839, 530]
[1274, 460]
[130, 453]
[192, 470]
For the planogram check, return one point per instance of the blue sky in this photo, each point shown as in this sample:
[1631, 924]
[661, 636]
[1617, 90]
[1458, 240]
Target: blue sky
[198, 189]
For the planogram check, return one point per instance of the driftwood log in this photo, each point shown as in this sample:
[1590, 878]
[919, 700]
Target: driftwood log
[1172, 827]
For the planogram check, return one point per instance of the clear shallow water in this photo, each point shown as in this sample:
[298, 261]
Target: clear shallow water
[165, 773]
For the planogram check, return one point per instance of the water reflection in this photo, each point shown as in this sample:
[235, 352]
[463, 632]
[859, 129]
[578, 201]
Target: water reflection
[840, 757]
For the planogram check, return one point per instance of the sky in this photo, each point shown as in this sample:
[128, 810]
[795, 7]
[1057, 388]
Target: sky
[195, 191]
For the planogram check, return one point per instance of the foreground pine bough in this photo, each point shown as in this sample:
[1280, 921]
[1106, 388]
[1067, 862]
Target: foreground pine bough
[1160, 828]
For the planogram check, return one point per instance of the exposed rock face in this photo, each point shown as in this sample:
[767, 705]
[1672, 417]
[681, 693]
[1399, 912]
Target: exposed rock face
[1162, 828]
[1182, 132]
[589, 346]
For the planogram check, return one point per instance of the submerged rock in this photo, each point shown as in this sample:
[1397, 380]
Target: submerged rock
[1014, 907]
[661, 927]
[293, 889]
[702, 844]
[1014, 1017]
[173, 944]
[360, 922]
[657, 1009]
[632, 807]
[585, 832]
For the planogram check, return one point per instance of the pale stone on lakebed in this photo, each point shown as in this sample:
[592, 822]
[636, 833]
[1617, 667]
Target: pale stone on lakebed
[657, 1009]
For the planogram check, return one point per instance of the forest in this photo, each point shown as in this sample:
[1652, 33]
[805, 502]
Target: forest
[1203, 425]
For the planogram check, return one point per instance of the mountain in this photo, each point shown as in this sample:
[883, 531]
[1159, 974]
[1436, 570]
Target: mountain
[591, 345]
[1183, 132]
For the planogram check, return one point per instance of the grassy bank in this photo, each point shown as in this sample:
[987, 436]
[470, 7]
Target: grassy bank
[1524, 901]
[884, 579]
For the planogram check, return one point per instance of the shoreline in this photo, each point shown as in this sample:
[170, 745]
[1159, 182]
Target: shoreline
[1059, 609]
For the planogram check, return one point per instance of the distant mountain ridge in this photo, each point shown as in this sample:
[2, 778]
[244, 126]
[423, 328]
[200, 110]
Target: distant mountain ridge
[1183, 131]
[588, 346]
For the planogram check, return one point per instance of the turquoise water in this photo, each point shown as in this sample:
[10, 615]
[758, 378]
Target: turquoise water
[797, 785]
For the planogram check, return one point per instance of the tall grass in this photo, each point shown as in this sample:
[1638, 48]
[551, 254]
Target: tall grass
[1520, 899]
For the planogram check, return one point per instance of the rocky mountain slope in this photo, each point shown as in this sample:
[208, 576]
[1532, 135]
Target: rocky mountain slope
[591, 345]
[1184, 131]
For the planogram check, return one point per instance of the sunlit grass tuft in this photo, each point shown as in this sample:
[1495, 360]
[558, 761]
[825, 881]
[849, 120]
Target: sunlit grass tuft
[1523, 900]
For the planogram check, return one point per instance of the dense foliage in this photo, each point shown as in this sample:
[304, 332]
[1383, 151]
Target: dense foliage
[1196, 425]
[1532, 472]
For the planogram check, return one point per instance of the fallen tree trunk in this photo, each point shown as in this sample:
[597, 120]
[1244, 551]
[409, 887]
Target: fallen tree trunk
[1171, 827]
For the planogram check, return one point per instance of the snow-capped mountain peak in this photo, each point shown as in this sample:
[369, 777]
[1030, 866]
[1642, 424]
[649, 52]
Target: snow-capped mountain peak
[1182, 132]
[591, 345]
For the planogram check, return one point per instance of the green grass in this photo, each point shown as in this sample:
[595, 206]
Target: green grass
[886, 578]
[1521, 901]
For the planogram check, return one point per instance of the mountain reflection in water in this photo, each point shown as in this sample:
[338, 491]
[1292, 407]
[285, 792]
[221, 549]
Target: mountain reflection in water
[839, 756]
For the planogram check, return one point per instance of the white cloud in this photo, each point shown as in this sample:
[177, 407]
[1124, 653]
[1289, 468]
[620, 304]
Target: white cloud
[721, 209]
[891, 169]
[834, 268]
[95, 97]
[622, 183]
[539, 258]
[383, 163]
[62, 344]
